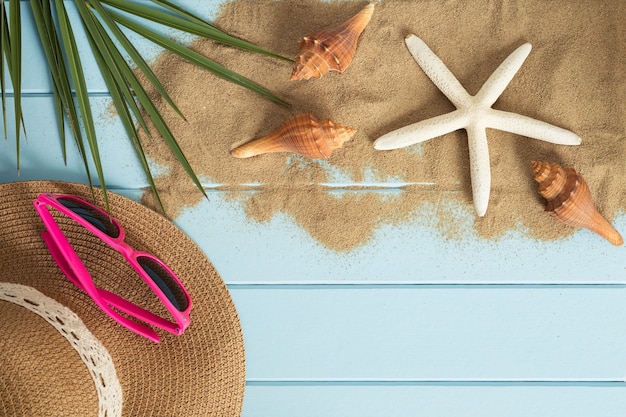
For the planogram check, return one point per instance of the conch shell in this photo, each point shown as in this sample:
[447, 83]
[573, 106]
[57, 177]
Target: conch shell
[303, 134]
[569, 200]
[330, 49]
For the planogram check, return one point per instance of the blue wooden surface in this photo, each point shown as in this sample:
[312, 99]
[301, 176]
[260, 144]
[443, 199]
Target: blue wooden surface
[409, 324]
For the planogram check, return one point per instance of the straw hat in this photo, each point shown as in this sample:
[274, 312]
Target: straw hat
[60, 355]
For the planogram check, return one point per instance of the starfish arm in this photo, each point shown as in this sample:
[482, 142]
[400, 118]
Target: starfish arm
[422, 131]
[532, 128]
[502, 76]
[437, 71]
[480, 169]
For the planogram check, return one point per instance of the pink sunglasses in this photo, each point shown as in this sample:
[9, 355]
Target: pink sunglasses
[158, 276]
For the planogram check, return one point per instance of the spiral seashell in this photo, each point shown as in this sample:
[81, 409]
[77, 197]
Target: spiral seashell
[569, 200]
[303, 134]
[330, 49]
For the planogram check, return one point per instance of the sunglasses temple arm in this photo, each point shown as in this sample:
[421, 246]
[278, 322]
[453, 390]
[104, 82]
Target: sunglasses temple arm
[131, 309]
[134, 326]
[52, 237]
[61, 260]
[104, 295]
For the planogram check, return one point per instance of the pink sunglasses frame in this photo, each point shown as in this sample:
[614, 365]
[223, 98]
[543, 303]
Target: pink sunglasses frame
[74, 269]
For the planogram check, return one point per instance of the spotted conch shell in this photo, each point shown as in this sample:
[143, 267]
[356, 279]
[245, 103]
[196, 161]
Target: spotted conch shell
[330, 49]
[569, 200]
[303, 134]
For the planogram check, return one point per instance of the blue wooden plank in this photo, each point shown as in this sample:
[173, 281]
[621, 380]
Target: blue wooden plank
[280, 251]
[433, 333]
[435, 400]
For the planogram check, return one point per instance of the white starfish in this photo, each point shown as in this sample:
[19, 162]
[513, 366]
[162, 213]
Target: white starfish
[474, 114]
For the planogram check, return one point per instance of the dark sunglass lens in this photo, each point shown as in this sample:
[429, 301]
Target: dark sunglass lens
[166, 282]
[91, 215]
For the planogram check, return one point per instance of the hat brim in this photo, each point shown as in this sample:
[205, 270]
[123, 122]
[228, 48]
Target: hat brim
[201, 372]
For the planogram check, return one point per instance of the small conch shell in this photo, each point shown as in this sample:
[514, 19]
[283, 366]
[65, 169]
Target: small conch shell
[330, 49]
[569, 200]
[303, 134]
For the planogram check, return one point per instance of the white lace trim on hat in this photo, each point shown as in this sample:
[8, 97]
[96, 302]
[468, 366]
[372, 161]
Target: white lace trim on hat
[90, 350]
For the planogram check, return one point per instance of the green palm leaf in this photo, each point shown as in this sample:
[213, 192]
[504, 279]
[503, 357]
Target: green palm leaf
[82, 95]
[4, 34]
[195, 57]
[183, 22]
[117, 60]
[12, 50]
[64, 100]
